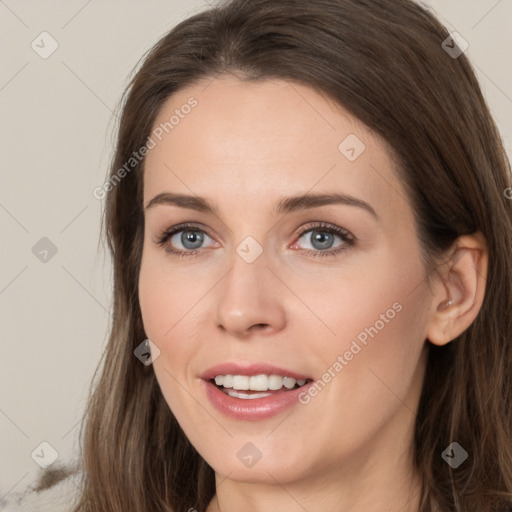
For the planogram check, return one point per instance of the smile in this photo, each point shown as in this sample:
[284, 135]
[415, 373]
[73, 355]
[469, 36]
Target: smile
[250, 387]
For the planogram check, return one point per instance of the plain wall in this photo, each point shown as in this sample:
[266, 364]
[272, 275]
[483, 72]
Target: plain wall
[56, 136]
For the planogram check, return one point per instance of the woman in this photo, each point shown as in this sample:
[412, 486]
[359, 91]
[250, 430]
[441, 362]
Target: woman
[311, 234]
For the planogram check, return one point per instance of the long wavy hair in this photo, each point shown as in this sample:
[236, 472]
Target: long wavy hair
[385, 62]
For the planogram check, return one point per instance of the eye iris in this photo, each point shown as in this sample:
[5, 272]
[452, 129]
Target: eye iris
[323, 238]
[193, 237]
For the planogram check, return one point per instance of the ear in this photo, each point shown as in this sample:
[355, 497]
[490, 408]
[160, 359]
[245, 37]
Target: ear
[459, 289]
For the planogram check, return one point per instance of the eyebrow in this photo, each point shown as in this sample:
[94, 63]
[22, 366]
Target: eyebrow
[283, 206]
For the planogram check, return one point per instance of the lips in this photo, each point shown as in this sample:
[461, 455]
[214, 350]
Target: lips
[253, 392]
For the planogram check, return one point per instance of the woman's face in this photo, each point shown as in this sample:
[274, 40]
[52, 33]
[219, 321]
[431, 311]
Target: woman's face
[331, 291]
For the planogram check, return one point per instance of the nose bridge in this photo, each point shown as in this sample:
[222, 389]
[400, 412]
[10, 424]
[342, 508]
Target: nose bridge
[248, 268]
[248, 296]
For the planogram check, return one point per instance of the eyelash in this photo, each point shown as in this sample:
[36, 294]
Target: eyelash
[347, 238]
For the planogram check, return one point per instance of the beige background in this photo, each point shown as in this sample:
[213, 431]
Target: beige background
[56, 138]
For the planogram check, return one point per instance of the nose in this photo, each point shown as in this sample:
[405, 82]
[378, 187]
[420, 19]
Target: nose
[249, 299]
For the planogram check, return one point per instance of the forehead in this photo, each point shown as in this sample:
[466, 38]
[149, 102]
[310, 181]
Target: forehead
[260, 140]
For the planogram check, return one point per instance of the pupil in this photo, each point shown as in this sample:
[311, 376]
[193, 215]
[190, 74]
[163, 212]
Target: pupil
[323, 238]
[191, 237]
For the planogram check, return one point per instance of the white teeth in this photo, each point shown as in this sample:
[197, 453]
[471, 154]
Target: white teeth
[289, 383]
[257, 382]
[275, 382]
[240, 382]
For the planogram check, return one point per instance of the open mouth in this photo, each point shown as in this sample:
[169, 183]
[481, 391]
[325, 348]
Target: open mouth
[256, 386]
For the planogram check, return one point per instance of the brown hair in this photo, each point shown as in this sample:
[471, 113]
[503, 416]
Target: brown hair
[384, 62]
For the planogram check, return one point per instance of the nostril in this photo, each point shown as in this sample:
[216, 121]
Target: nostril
[260, 326]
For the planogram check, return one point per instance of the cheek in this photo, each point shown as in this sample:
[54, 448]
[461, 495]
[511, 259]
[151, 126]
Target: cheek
[371, 366]
[164, 306]
[376, 317]
[164, 298]
[380, 335]
[373, 295]
[171, 314]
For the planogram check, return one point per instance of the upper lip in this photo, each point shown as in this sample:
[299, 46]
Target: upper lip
[250, 369]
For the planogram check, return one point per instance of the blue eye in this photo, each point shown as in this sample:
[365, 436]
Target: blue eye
[190, 239]
[188, 235]
[322, 237]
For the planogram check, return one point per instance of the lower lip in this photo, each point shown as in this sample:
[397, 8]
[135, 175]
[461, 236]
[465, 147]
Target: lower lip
[252, 409]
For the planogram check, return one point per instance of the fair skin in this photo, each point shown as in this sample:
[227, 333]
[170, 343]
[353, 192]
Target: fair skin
[244, 147]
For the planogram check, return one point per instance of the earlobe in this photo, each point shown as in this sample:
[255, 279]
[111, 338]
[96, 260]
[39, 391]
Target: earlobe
[460, 290]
